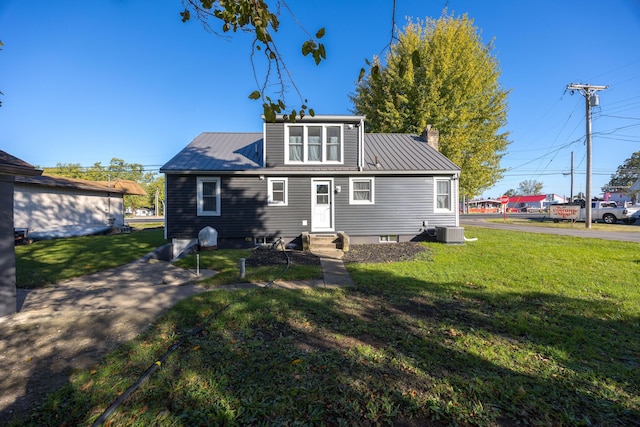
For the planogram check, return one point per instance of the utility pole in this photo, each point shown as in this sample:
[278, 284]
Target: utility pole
[590, 93]
[571, 195]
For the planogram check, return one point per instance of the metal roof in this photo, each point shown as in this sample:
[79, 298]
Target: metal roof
[396, 152]
[230, 152]
[213, 151]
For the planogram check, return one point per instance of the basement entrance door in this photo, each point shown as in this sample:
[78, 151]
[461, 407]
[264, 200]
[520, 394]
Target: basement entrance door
[321, 205]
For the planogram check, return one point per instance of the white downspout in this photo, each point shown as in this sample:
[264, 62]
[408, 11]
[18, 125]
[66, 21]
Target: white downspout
[361, 146]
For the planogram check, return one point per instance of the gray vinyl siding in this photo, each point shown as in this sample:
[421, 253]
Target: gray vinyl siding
[402, 206]
[275, 144]
[245, 214]
[243, 206]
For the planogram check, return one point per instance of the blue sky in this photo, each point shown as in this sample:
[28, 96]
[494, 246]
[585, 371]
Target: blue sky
[85, 81]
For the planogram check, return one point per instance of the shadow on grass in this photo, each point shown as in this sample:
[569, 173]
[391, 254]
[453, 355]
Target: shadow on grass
[53, 261]
[392, 350]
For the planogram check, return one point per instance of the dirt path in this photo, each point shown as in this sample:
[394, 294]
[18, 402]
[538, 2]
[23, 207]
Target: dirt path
[72, 325]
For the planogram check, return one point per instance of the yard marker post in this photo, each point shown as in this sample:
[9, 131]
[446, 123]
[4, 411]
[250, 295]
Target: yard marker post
[504, 200]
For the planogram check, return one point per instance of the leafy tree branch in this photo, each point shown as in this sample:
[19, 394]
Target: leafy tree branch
[262, 21]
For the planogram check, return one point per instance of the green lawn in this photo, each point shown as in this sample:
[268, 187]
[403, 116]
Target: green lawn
[52, 261]
[226, 263]
[512, 329]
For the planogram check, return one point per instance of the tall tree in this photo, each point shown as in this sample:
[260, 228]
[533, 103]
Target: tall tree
[626, 174]
[439, 72]
[530, 187]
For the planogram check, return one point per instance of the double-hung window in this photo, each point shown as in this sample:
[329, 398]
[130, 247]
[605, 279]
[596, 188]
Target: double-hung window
[208, 190]
[296, 147]
[313, 144]
[361, 191]
[278, 192]
[443, 195]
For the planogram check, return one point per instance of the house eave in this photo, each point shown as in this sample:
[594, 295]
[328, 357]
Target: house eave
[302, 172]
[19, 171]
[322, 118]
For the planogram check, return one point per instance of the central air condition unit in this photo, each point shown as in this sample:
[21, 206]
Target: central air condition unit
[450, 234]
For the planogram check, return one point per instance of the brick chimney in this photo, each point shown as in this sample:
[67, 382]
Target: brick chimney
[431, 137]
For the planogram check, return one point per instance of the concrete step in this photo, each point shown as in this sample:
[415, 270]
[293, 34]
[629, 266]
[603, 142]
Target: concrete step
[323, 242]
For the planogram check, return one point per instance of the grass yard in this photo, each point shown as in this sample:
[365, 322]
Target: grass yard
[512, 329]
[52, 261]
[226, 262]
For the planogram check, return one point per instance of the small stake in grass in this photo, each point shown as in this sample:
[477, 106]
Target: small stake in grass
[242, 261]
[197, 264]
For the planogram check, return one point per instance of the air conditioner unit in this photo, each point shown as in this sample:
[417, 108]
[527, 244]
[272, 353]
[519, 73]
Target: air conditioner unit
[450, 234]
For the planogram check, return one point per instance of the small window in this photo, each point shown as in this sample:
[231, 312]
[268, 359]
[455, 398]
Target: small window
[208, 196]
[361, 191]
[443, 195]
[278, 192]
[333, 144]
[314, 138]
[296, 147]
[263, 241]
[391, 238]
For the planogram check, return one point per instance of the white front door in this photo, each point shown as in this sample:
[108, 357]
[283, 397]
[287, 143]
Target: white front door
[321, 205]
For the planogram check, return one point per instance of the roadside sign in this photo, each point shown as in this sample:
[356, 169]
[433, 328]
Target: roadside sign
[558, 212]
[504, 200]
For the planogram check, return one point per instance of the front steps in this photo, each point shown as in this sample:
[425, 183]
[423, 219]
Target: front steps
[328, 245]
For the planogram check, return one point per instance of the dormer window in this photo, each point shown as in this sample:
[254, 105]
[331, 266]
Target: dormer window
[313, 144]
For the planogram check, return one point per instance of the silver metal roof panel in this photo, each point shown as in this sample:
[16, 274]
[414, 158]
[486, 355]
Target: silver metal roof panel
[211, 151]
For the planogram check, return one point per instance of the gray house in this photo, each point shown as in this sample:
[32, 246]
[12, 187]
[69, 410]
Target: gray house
[319, 175]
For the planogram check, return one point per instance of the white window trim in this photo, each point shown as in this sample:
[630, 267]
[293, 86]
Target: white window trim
[305, 145]
[352, 201]
[201, 211]
[270, 182]
[435, 195]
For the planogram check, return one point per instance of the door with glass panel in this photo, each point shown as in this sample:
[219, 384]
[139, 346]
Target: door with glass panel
[321, 205]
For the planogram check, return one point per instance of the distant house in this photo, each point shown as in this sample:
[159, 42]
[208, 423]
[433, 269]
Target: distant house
[46, 202]
[319, 175]
[484, 206]
[539, 202]
[625, 198]
[10, 168]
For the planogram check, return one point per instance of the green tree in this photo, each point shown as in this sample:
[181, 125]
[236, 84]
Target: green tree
[530, 187]
[439, 72]
[511, 192]
[156, 184]
[69, 170]
[117, 169]
[626, 174]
